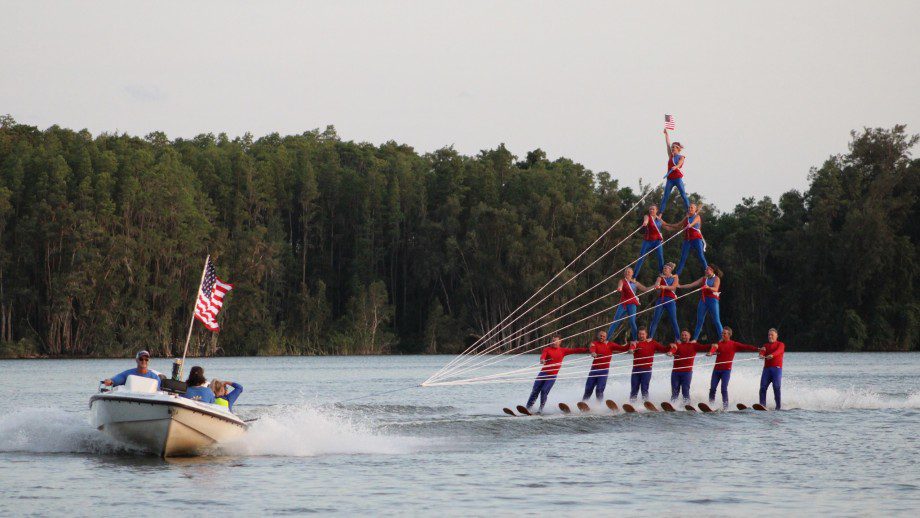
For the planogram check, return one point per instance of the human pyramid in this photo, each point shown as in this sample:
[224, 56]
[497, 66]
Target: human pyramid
[685, 347]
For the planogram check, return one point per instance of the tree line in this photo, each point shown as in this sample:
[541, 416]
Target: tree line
[338, 247]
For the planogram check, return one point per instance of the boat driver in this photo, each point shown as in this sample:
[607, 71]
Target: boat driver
[143, 360]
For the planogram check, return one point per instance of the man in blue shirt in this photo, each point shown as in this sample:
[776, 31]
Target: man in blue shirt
[143, 359]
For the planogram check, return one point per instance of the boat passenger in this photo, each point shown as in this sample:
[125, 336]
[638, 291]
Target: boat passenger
[772, 374]
[643, 355]
[652, 241]
[224, 397]
[667, 301]
[709, 300]
[601, 350]
[682, 373]
[722, 370]
[626, 308]
[552, 361]
[674, 175]
[197, 388]
[142, 358]
[693, 237]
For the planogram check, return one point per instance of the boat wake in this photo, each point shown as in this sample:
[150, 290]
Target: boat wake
[307, 430]
[300, 431]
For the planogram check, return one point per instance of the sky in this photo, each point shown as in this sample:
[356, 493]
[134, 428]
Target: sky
[762, 91]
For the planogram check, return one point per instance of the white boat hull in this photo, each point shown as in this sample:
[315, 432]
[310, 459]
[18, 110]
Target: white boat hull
[164, 424]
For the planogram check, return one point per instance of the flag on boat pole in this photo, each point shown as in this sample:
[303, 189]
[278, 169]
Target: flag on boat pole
[210, 297]
[208, 302]
[669, 121]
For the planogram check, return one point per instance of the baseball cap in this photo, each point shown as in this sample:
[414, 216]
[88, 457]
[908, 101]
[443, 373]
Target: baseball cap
[141, 353]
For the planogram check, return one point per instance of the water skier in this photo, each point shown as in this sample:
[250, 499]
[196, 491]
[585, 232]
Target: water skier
[722, 370]
[674, 174]
[643, 356]
[667, 301]
[684, 353]
[693, 237]
[601, 350]
[552, 360]
[626, 309]
[652, 240]
[709, 299]
[772, 374]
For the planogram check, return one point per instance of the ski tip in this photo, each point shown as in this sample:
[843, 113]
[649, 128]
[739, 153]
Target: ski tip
[668, 407]
[629, 408]
[741, 407]
[583, 406]
[522, 409]
[758, 406]
[689, 408]
[509, 411]
[565, 408]
[612, 405]
[650, 406]
[704, 407]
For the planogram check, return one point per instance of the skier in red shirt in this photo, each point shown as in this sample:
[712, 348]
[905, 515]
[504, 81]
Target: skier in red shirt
[552, 360]
[722, 370]
[643, 355]
[682, 373]
[601, 350]
[772, 353]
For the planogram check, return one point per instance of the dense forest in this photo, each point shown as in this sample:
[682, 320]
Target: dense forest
[338, 247]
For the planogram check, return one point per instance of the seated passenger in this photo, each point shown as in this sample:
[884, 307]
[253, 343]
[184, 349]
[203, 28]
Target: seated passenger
[196, 386]
[143, 360]
[224, 397]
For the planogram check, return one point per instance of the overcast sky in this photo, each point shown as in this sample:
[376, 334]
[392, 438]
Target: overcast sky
[762, 91]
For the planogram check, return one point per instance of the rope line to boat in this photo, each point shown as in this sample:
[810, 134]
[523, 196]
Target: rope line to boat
[464, 364]
[495, 329]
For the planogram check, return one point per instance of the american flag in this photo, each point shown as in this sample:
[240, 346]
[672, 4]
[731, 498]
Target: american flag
[669, 122]
[211, 298]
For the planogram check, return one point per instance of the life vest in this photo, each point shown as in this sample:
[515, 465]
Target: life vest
[673, 172]
[653, 229]
[708, 292]
[693, 231]
[222, 402]
[628, 295]
[666, 294]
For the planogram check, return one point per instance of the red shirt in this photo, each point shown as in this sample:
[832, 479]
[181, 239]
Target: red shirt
[684, 355]
[666, 294]
[604, 351]
[628, 293]
[727, 352]
[554, 356]
[644, 353]
[777, 349]
[673, 172]
[693, 231]
[652, 231]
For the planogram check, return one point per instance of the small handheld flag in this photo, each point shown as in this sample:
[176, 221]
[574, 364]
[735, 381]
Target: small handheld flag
[669, 121]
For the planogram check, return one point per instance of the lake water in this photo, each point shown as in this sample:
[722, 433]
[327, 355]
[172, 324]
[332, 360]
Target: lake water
[848, 445]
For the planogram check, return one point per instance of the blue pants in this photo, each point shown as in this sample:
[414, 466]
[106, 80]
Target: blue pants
[597, 381]
[657, 253]
[680, 383]
[639, 380]
[541, 387]
[710, 306]
[668, 306]
[719, 377]
[770, 375]
[697, 246]
[622, 311]
[668, 186]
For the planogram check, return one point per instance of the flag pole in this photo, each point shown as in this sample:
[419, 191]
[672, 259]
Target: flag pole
[192, 323]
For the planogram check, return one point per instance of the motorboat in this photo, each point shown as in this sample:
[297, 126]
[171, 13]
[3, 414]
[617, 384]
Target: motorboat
[158, 420]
